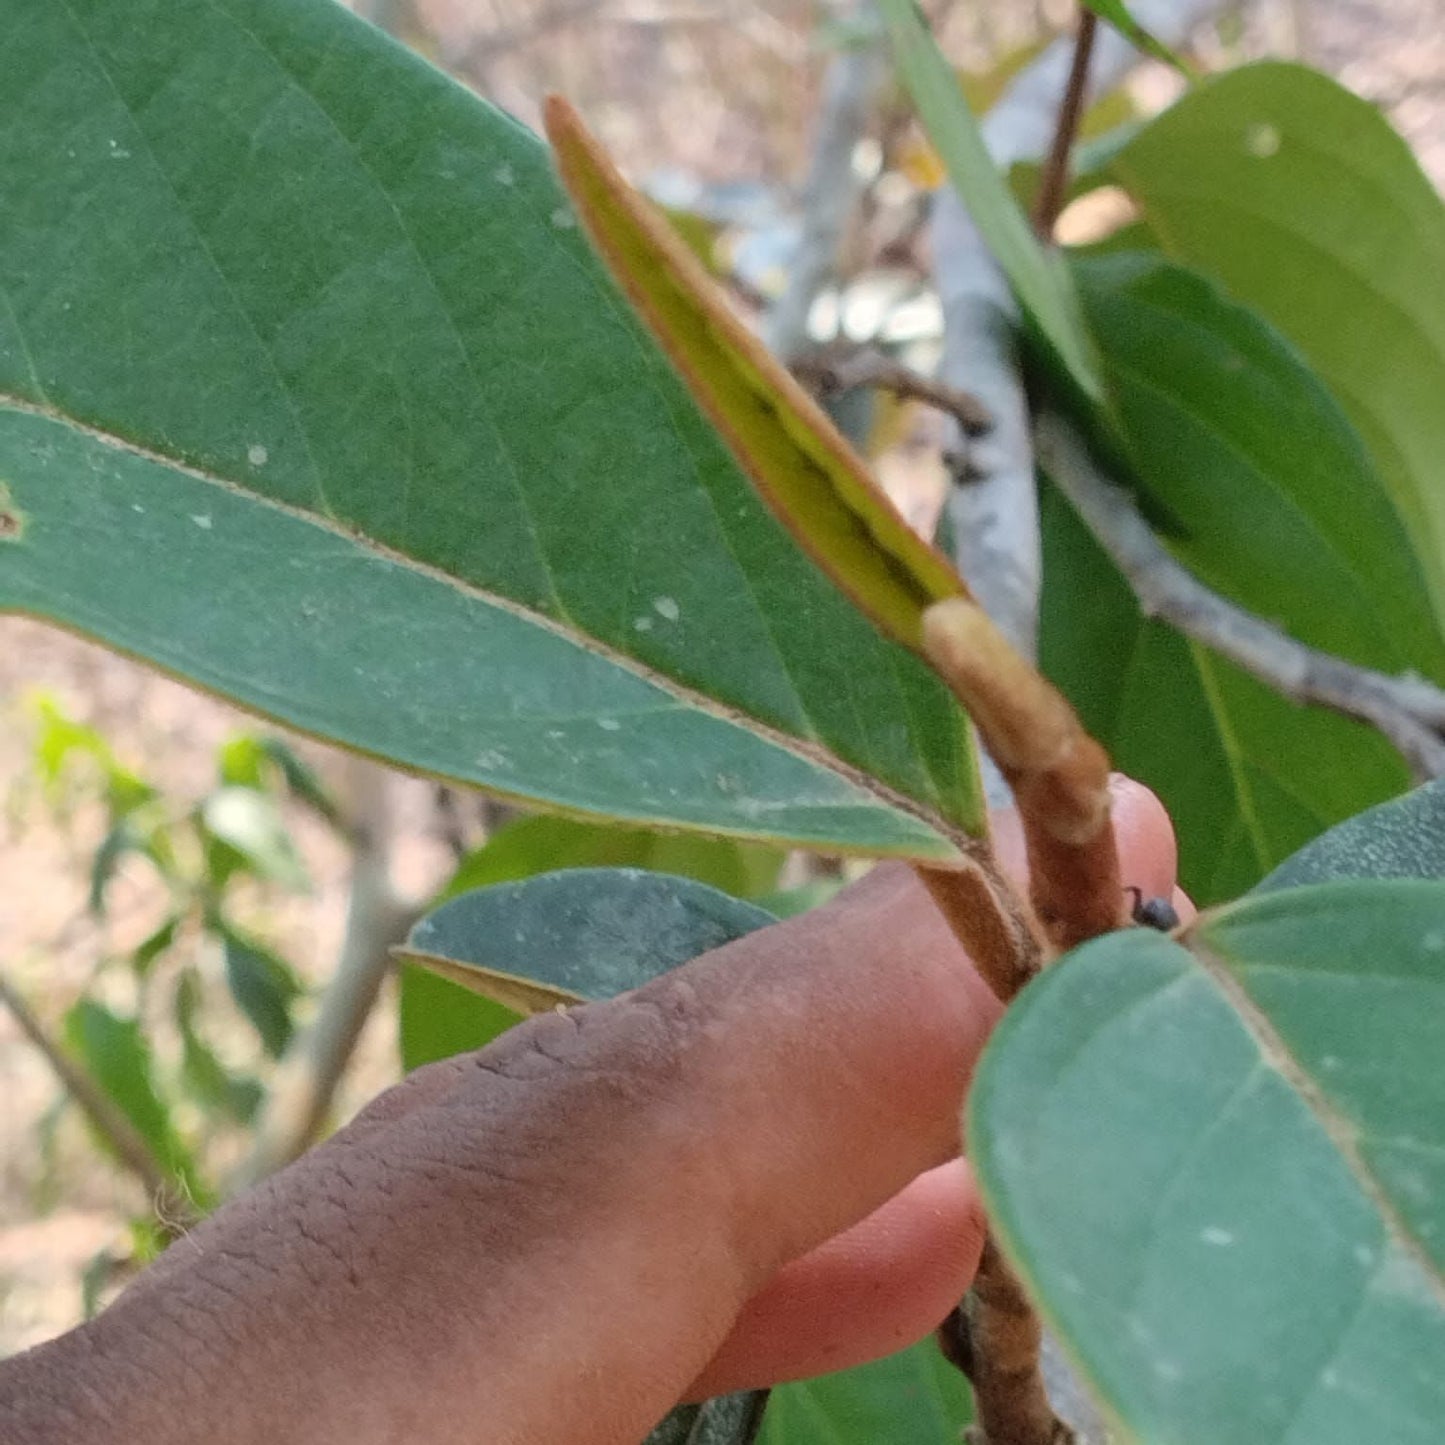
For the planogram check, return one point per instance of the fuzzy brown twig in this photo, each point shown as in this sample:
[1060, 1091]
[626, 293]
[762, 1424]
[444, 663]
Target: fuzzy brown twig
[1060, 780]
[1058, 773]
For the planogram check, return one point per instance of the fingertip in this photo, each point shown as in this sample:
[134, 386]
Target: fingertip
[874, 1289]
[1148, 856]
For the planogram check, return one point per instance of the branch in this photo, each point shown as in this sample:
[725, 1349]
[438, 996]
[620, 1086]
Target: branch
[168, 1196]
[995, 519]
[308, 1075]
[831, 372]
[831, 191]
[1409, 711]
[1054, 183]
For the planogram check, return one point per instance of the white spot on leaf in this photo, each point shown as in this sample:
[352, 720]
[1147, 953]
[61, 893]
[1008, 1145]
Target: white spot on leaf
[257, 455]
[609, 724]
[1220, 1238]
[1262, 140]
[666, 607]
[503, 175]
[643, 624]
[563, 219]
[202, 520]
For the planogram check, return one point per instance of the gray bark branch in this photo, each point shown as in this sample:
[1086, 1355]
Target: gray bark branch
[995, 518]
[832, 189]
[1409, 711]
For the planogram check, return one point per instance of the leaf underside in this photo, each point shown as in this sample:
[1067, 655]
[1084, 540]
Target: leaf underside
[1301, 199]
[1220, 1169]
[311, 393]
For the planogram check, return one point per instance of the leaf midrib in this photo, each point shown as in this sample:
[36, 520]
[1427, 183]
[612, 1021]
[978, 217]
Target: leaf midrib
[810, 751]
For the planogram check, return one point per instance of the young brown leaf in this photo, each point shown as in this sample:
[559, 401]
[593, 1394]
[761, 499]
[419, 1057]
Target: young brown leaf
[796, 458]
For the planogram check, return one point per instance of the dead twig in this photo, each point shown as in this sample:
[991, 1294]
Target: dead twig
[1409, 711]
[1054, 182]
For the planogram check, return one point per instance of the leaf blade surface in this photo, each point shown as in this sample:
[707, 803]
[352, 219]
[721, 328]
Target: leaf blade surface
[306, 275]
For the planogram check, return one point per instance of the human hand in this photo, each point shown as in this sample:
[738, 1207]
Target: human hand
[742, 1173]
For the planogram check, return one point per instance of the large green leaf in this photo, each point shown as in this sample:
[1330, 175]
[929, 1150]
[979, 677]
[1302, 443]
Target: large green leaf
[311, 392]
[1303, 201]
[1247, 777]
[1221, 1168]
[1269, 495]
[1404, 838]
[911, 1398]
[440, 1018]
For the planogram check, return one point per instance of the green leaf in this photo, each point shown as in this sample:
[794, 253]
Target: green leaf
[814, 481]
[313, 394]
[251, 760]
[912, 1398]
[540, 845]
[440, 1018]
[1248, 777]
[252, 835]
[1117, 15]
[155, 943]
[204, 1075]
[264, 986]
[1307, 206]
[1220, 1167]
[117, 1056]
[1040, 282]
[1270, 496]
[1404, 838]
[586, 933]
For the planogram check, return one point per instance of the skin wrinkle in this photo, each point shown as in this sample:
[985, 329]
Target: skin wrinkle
[560, 1235]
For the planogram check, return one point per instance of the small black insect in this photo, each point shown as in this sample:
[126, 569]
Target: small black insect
[1153, 912]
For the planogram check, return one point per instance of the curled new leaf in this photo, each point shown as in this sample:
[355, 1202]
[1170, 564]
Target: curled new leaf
[797, 460]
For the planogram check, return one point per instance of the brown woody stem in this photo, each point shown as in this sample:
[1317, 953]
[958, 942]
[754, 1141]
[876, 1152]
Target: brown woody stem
[1001, 1338]
[1054, 183]
[1058, 773]
[1060, 781]
[988, 919]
